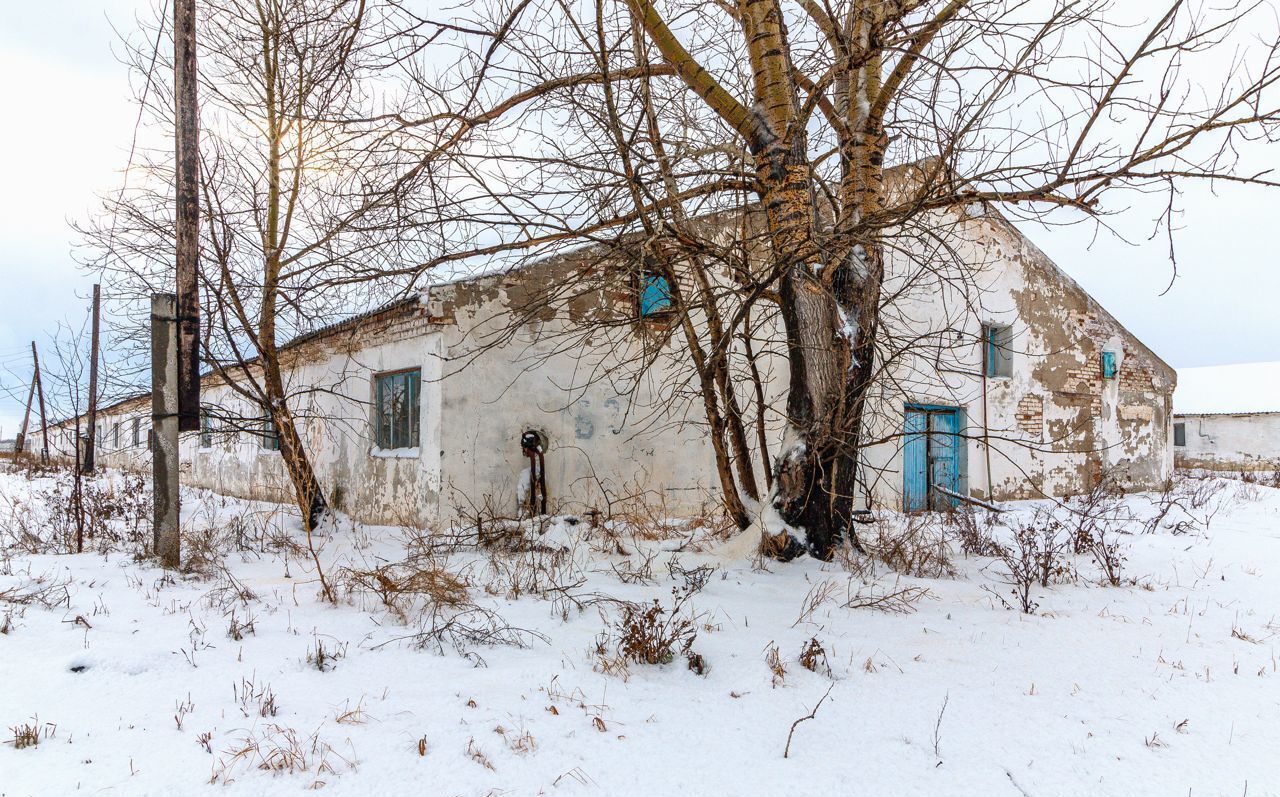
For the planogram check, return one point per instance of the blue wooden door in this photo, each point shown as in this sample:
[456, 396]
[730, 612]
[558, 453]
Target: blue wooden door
[930, 457]
[915, 468]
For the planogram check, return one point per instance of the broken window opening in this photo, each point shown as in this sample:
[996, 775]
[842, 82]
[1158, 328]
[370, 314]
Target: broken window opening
[1109, 365]
[396, 409]
[654, 294]
[997, 350]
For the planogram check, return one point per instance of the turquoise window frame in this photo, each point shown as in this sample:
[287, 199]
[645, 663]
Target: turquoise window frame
[1109, 365]
[997, 357]
[655, 294]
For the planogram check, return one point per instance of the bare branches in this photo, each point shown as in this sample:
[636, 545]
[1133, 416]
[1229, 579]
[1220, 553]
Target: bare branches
[786, 752]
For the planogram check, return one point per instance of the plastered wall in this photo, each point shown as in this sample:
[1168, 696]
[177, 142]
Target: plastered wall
[1230, 442]
[557, 348]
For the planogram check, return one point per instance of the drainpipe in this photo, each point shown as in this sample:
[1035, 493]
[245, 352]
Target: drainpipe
[986, 424]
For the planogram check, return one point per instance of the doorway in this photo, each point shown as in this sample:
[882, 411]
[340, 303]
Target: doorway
[931, 457]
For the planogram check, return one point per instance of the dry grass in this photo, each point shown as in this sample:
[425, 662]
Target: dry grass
[29, 734]
[43, 590]
[773, 660]
[919, 547]
[477, 755]
[818, 595]
[325, 658]
[895, 599]
[813, 657]
[402, 586]
[279, 750]
[520, 742]
[255, 699]
[352, 716]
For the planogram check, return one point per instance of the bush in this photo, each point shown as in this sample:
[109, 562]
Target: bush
[652, 634]
[919, 548]
[1022, 562]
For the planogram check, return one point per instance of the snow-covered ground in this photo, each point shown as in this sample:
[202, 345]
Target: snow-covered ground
[139, 683]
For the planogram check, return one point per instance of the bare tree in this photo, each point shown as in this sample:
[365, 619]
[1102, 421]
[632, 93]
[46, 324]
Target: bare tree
[1035, 107]
[302, 196]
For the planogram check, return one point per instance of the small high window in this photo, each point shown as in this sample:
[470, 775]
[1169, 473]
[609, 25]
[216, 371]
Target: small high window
[396, 408]
[268, 437]
[997, 350]
[1108, 365]
[206, 429]
[1180, 434]
[655, 294]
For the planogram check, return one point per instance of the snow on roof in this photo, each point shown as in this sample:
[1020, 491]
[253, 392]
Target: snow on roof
[1249, 387]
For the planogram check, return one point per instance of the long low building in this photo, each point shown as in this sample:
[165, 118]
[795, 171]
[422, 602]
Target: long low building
[1001, 379]
[1227, 418]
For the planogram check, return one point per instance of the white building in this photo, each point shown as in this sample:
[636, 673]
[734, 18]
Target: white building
[1001, 378]
[1227, 417]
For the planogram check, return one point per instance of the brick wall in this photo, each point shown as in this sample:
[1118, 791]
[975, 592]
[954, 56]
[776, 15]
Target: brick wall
[1030, 417]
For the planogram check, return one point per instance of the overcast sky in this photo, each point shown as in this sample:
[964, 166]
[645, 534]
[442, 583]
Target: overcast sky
[69, 120]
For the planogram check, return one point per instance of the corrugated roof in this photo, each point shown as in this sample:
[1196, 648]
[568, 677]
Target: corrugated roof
[1249, 387]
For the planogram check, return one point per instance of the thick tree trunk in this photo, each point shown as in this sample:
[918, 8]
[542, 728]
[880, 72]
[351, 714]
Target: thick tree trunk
[829, 295]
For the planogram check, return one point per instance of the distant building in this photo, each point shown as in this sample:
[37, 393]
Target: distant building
[1227, 417]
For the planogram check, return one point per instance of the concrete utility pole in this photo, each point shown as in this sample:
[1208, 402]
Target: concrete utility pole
[44, 424]
[175, 319]
[187, 150]
[92, 443]
[164, 427]
[21, 441]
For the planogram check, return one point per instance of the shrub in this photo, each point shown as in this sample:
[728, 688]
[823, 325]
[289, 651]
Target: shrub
[652, 634]
[1022, 561]
[973, 531]
[917, 548]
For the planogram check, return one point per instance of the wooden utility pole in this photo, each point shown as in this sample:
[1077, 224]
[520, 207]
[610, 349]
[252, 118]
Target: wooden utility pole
[164, 428]
[44, 424]
[91, 443]
[21, 441]
[187, 150]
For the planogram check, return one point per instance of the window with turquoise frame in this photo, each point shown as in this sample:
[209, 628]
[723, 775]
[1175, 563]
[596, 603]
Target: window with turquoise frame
[655, 294]
[1108, 365]
[396, 408]
[997, 350]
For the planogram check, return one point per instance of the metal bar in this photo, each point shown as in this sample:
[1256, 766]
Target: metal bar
[967, 499]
